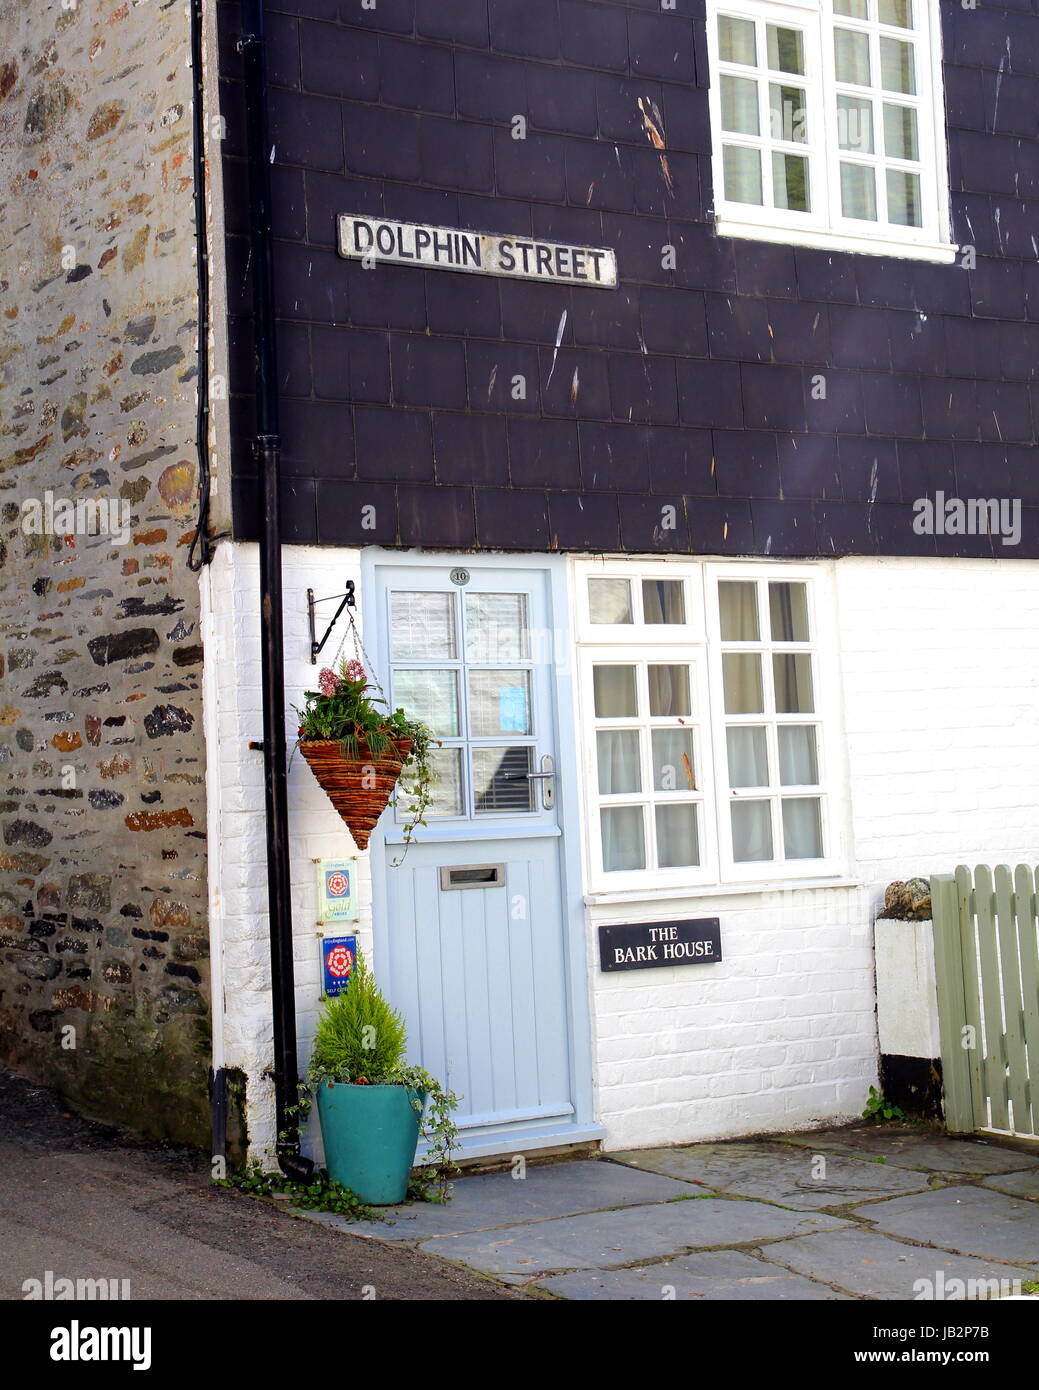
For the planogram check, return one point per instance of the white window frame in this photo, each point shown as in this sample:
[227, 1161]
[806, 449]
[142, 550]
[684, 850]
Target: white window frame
[698, 642]
[825, 227]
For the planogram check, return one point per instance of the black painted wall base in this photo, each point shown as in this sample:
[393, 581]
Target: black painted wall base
[914, 1083]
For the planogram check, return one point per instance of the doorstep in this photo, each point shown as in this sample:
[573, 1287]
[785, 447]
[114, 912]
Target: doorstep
[877, 1213]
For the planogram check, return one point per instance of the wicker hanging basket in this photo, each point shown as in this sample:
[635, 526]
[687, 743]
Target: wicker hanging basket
[359, 787]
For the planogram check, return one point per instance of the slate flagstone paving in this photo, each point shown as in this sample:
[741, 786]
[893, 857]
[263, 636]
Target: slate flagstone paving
[789, 1177]
[760, 1219]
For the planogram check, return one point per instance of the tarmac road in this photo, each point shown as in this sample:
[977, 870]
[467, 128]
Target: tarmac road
[87, 1201]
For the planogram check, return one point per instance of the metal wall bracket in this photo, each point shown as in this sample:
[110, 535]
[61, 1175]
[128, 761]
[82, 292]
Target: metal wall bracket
[349, 601]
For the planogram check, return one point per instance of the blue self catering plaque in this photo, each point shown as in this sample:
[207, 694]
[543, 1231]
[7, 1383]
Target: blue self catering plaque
[650, 945]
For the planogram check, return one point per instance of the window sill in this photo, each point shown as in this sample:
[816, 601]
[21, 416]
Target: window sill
[937, 251]
[724, 890]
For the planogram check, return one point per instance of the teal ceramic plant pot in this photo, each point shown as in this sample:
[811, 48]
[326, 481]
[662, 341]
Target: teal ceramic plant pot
[370, 1134]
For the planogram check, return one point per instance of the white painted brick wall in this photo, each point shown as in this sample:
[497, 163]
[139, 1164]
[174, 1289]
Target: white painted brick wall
[939, 669]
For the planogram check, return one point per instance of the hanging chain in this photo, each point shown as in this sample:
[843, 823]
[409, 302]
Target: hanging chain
[359, 652]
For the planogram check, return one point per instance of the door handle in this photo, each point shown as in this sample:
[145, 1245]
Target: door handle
[547, 778]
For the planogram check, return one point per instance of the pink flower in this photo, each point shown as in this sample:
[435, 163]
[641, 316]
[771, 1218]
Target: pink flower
[353, 671]
[328, 681]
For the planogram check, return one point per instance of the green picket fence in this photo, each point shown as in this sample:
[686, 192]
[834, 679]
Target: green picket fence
[986, 943]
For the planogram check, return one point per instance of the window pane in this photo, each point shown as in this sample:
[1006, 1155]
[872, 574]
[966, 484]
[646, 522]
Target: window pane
[673, 767]
[614, 688]
[609, 601]
[855, 124]
[788, 610]
[623, 839]
[748, 757]
[422, 626]
[854, 9]
[619, 764]
[741, 679]
[447, 791]
[798, 759]
[897, 66]
[499, 703]
[496, 627]
[742, 174]
[897, 12]
[740, 105]
[900, 134]
[736, 40]
[793, 677]
[858, 192]
[751, 831]
[851, 54]
[669, 690]
[663, 600]
[788, 115]
[802, 829]
[738, 609]
[903, 198]
[678, 842]
[500, 781]
[790, 182]
[431, 696]
[786, 50]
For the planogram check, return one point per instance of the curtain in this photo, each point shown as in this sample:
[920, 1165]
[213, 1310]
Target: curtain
[798, 764]
[802, 828]
[620, 769]
[678, 841]
[748, 757]
[623, 842]
[751, 831]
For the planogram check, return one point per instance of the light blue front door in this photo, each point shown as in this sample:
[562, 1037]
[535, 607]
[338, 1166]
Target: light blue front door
[471, 921]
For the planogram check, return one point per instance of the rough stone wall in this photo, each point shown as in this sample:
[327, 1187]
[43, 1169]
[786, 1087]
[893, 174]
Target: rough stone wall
[103, 920]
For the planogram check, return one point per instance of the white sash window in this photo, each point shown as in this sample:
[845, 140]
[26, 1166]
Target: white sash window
[706, 703]
[829, 124]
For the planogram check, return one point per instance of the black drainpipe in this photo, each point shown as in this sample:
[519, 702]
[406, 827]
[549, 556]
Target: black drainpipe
[267, 451]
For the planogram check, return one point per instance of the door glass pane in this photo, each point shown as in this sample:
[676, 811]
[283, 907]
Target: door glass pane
[663, 600]
[855, 124]
[742, 169]
[903, 198]
[788, 610]
[499, 779]
[798, 759]
[786, 49]
[669, 690]
[620, 768]
[738, 608]
[790, 182]
[673, 766]
[900, 133]
[609, 601]
[854, 9]
[851, 55]
[623, 838]
[748, 757]
[802, 828]
[897, 66]
[431, 696]
[793, 677]
[496, 627]
[499, 703]
[448, 798]
[898, 13]
[739, 105]
[741, 680]
[678, 841]
[736, 40]
[858, 192]
[788, 115]
[614, 689]
[422, 626]
[751, 831]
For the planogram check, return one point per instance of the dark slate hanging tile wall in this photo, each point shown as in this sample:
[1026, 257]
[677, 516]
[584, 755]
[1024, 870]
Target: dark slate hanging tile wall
[688, 387]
